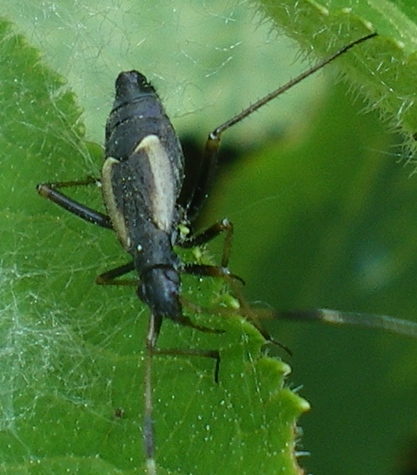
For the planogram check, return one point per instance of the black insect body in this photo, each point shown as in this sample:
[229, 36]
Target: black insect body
[142, 180]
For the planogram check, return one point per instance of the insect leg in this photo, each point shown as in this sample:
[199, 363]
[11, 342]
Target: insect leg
[206, 174]
[223, 226]
[245, 310]
[254, 316]
[209, 160]
[204, 270]
[109, 277]
[51, 192]
[223, 271]
[209, 270]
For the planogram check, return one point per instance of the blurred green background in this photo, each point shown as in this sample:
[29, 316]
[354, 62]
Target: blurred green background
[322, 200]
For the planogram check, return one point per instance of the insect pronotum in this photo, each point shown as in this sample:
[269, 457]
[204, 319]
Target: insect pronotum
[142, 178]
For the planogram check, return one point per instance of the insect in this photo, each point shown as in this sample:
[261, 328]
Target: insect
[143, 181]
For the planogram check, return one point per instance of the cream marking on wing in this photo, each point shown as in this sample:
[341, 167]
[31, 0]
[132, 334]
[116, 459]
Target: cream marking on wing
[162, 193]
[116, 217]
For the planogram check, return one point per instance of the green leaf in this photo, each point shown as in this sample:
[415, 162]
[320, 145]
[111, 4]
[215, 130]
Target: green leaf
[71, 359]
[72, 352]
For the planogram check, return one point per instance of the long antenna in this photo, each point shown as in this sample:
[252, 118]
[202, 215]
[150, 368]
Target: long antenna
[148, 432]
[335, 317]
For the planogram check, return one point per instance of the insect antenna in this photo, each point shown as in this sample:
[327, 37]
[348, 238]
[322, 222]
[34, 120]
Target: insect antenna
[329, 316]
[336, 317]
[155, 322]
[151, 337]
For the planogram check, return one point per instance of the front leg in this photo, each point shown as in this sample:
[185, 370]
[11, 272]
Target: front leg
[50, 191]
[223, 226]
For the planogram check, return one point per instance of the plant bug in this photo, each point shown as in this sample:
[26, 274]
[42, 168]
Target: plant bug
[142, 179]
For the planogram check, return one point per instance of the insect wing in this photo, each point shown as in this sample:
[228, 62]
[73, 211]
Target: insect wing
[140, 192]
[144, 169]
